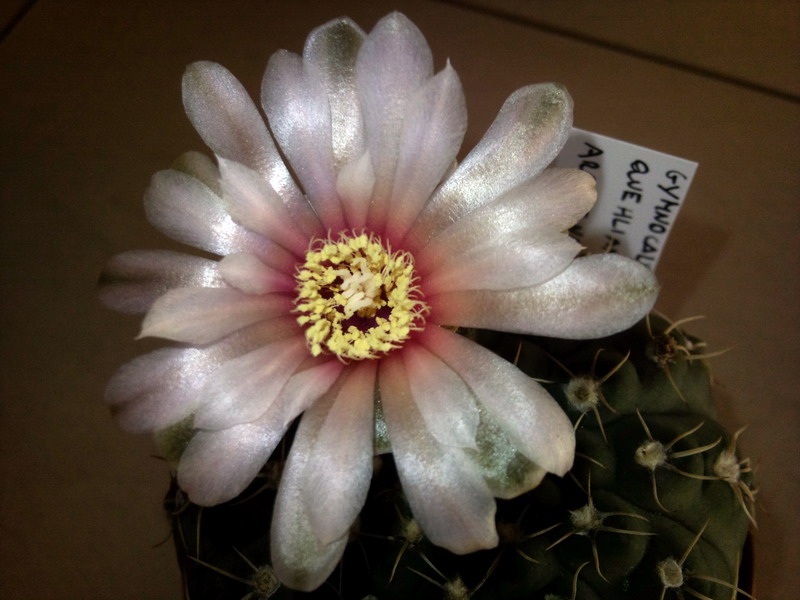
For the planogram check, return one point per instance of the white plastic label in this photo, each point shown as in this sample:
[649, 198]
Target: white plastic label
[639, 194]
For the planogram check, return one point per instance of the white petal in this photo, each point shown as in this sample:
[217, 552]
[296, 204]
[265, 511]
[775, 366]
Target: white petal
[394, 62]
[218, 465]
[333, 49]
[354, 185]
[229, 122]
[521, 407]
[339, 473]
[507, 472]
[555, 199]
[443, 399]
[158, 389]
[527, 134]
[161, 388]
[201, 167]
[552, 202]
[306, 386]
[243, 389]
[296, 103]
[203, 315]
[183, 208]
[301, 561]
[132, 281]
[252, 203]
[445, 489]
[248, 274]
[433, 128]
[596, 296]
[512, 261]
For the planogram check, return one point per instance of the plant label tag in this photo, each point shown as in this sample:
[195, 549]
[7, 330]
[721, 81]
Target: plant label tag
[639, 194]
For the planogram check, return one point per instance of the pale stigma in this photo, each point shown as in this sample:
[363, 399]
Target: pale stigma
[356, 298]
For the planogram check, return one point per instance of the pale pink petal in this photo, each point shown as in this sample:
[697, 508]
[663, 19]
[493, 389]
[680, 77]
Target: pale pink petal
[242, 389]
[552, 202]
[252, 203]
[394, 62]
[295, 101]
[158, 389]
[555, 199]
[301, 561]
[183, 208]
[521, 259]
[161, 388]
[333, 49]
[204, 315]
[338, 475]
[229, 122]
[306, 386]
[354, 184]
[443, 400]
[523, 409]
[248, 274]
[596, 296]
[201, 167]
[507, 472]
[445, 489]
[433, 128]
[218, 465]
[132, 281]
[527, 134]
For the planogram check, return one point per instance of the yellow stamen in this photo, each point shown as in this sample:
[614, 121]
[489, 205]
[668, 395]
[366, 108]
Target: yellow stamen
[356, 298]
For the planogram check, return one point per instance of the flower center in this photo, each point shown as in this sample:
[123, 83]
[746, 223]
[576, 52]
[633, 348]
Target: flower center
[356, 298]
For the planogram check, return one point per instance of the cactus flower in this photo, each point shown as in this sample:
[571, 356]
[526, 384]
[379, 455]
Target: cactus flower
[348, 245]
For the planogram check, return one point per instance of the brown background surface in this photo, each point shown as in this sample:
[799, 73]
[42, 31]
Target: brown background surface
[90, 108]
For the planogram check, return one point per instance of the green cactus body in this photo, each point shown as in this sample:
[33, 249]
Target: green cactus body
[657, 505]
